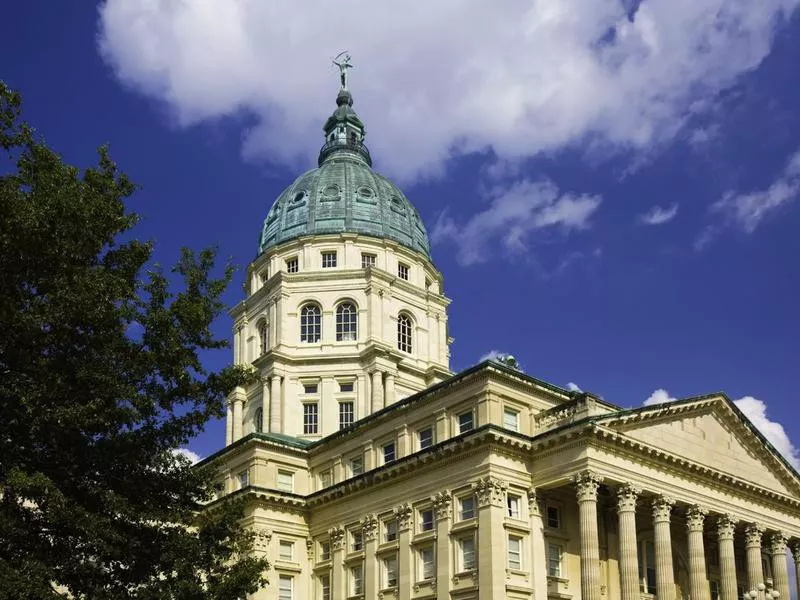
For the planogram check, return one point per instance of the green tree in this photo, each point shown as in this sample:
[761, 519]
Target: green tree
[100, 380]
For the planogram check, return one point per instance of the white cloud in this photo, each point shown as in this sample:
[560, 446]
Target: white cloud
[192, 456]
[660, 396]
[517, 77]
[756, 411]
[514, 212]
[573, 387]
[658, 215]
[492, 355]
[748, 210]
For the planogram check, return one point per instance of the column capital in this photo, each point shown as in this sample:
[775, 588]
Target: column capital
[337, 537]
[369, 525]
[695, 517]
[533, 502]
[794, 546]
[752, 535]
[777, 543]
[627, 495]
[403, 513]
[262, 538]
[726, 525]
[490, 491]
[587, 483]
[443, 504]
[662, 508]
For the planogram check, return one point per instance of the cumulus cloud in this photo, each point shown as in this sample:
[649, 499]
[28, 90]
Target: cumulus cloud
[756, 411]
[190, 455]
[513, 213]
[749, 209]
[517, 77]
[660, 396]
[573, 387]
[658, 215]
[492, 355]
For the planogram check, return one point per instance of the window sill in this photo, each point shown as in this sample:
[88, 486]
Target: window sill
[425, 536]
[464, 525]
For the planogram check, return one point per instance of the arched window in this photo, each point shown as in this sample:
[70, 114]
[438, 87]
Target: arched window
[404, 325]
[259, 420]
[346, 322]
[310, 324]
[262, 338]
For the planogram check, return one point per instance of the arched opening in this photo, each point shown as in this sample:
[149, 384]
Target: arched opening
[404, 333]
[346, 322]
[310, 324]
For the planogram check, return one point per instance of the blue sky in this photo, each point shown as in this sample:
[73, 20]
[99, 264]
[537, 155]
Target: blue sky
[611, 188]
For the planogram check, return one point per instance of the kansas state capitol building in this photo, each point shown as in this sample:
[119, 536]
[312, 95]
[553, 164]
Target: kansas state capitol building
[371, 471]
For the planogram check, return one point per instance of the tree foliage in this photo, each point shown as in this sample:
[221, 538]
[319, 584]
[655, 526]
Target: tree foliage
[100, 380]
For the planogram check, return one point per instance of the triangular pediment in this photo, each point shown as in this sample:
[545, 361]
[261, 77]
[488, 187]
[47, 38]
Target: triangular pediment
[711, 432]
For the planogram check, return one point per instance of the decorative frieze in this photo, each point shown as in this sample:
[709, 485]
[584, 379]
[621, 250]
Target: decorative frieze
[695, 517]
[627, 495]
[555, 417]
[404, 514]
[587, 483]
[490, 491]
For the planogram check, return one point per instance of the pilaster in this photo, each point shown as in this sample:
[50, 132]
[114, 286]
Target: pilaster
[538, 548]
[405, 564]
[370, 525]
[338, 541]
[443, 508]
[491, 536]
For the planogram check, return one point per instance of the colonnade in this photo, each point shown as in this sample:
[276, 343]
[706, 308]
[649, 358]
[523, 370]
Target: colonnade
[662, 509]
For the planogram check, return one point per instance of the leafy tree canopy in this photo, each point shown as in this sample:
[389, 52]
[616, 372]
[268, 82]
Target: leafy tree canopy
[100, 380]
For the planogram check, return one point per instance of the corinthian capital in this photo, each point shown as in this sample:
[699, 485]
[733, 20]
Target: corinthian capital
[337, 537]
[695, 517]
[403, 514]
[777, 543]
[369, 525]
[726, 525]
[794, 546]
[587, 483]
[662, 508]
[490, 491]
[443, 505]
[627, 495]
[752, 535]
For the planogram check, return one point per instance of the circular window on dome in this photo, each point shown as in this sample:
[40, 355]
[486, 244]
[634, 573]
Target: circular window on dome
[366, 192]
[397, 205]
[331, 191]
[298, 197]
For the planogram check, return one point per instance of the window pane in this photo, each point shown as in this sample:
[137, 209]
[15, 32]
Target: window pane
[465, 422]
[346, 387]
[404, 333]
[346, 323]
[402, 271]
[259, 420]
[286, 550]
[328, 260]
[511, 420]
[285, 482]
[325, 585]
[345, 414]
[425, 438]
[390, 530]
[426, 520]
[357, 465]
[514, 552]
[291, 265]
[284, 587]
[310, 324]
[358, 541]
[263, 339]
[467, 508]
[390, 571]
[512, 504]
[428, 565]
[467, 553]
[554, 560]
[553, 517]
[388, 453]
[310, 418]
[367, 260]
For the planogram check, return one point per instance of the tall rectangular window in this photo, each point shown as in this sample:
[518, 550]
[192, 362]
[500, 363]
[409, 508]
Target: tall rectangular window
[553, 517]
[390, 530]
[324, 550]
[388, 453]
[356, 541]
[467, 508]
[285, 587]
[286, 481]
[647, 566]
[329, 259]
[357, 580]
[325, 587]
[514, 552]
[554, 552]
[402, 271]
[466, 422]
[356, 465]
[466, 551]
[425, 437]
[426, 519]
[345, 414]
[286, 550]
[390, 571]
[292, 266]
[310, 418]
[512, 506]
[511, 419]
[244, 479]
[427, 565]
[325, 479]
[367, 260]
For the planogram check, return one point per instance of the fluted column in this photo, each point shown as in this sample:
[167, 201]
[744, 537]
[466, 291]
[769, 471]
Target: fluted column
[628, 559]
[538, 548]
[443, 507]
[780, 571]
[370, 527]
[727, 559]
[377, 391]
[228, 423]
[389, 395]
[795, 547]
[275, 405]
[237, 418]
[698, 579]
[665, 573]
[587, 483]
[491, 536]
[338, 541]
[755, 573]
[405, 563]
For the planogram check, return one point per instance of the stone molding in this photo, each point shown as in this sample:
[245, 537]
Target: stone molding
[369, 525]
[662, 508]
[695, 517]
[587, 483]
[777, 543]
[443, 505]
[627, 495]
[490, 491]
[726, 525]
[404, 514]
[752, 535]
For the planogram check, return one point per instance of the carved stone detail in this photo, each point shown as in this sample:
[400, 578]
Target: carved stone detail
[548, 418]
[337, 537]
[534, 503]
[262, 538]
[443, 505]
[490, 491]
[794, 546]
[695, 517]
[587, 483]
[369, 525]
[662, 508]
[627, 495]
[752, 535]
[777, 543]
[726, 525]
[310, 548]
[404, 514]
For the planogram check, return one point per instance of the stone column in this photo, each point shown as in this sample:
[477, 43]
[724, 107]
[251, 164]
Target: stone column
[795, 547]
[780, 571]
[377, 391]
[389, 395]
[405, 562]
[628, 558]
[727, 559]
[338, 541]
[228, 423]
[665, 574]
[755, 573]
[587, 483]
[237, 418]
[538, 547]
[443, 507]
[272, 319]
[275, 405]
[371, 529]
[491, 537]
[698, 579]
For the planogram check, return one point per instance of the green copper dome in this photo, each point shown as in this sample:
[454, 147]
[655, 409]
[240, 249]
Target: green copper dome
[344, 194]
